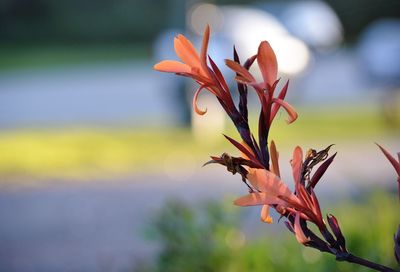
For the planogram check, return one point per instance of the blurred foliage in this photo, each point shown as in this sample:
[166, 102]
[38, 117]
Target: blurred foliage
[76, 21]
[84, 153]
[105, 21]
[209, 238]
[195, 239]
[356, 15]
[41, 33]
[32, 57]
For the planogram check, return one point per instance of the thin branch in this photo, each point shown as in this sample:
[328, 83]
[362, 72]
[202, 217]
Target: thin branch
[363, 262]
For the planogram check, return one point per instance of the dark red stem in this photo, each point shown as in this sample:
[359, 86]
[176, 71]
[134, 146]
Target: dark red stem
[360, 261]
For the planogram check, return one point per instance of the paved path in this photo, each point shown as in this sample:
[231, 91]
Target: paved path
[112, 94]
[90, 227]
[131, 93]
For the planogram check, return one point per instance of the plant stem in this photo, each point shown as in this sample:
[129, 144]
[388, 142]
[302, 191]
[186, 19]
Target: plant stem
[357, 260]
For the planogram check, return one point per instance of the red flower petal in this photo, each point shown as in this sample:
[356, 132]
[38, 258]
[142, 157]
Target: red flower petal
[266, 181]
[204, 47]
[186, 52]
[255, 199]
[239, 69]
[267, 63]
[172, 66]
[274, 159]
[297, 163]
[265, 217]
[300, 236]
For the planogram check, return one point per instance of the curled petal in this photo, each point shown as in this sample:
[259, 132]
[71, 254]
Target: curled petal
[195, 97]
[300, 236]
[265, 217]
[289, 109]
[281, 95]
[245, 75]
[172, 66]
[267, 63]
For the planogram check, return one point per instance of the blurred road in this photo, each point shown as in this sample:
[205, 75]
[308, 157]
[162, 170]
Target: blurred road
[101, 225]
[133, 94]
[111, 94]
[97, 226]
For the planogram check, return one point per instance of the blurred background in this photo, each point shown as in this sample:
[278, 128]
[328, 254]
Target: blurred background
[100, 156]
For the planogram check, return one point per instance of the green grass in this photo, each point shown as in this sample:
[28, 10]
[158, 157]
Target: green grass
[15, 57]
[86, 153]
[99, 152]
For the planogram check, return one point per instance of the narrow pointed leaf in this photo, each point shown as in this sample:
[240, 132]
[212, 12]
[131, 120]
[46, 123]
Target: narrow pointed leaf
[320, 171]
[219, 75]
[263, 139]
[334, 225]
[391, 159]
[244, 150]
[172, 66]
[242, 89]
[235, 55]
[249, 62]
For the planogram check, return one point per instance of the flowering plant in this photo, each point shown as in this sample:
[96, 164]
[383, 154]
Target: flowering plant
[258, 164]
